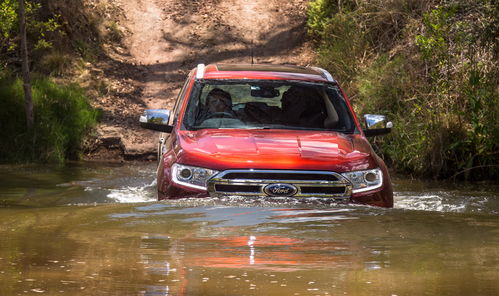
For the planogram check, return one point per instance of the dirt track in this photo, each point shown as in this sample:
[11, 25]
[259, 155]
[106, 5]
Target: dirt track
[167, 38]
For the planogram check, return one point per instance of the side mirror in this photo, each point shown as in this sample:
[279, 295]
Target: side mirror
[376, 125]
[156, 120]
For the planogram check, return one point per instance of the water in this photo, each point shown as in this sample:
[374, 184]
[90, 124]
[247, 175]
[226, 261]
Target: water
[95, 229]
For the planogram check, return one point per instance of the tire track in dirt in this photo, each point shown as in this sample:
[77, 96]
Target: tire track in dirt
[167, 38]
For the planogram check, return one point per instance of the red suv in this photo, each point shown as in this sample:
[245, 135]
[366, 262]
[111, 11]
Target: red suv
[267, 130]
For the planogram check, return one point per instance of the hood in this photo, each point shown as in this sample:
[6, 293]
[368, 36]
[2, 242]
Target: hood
[274, 149]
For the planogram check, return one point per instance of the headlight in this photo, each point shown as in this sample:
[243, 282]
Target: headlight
[365, 180]
[191, 176]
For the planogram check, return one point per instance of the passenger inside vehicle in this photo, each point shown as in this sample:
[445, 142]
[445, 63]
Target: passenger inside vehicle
[302, 107]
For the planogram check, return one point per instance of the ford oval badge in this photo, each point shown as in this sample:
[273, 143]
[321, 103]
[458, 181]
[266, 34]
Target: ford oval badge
[280, 189]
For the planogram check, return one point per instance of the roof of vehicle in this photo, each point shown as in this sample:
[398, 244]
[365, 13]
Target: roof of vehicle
[262, 71]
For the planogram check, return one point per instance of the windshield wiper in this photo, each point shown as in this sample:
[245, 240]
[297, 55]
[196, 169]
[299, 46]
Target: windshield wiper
[258, 127]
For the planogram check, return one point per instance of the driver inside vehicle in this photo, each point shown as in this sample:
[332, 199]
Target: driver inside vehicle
[218, 105]
[218, 101]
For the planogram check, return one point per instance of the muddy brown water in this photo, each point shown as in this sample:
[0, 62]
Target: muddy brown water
[96, 229]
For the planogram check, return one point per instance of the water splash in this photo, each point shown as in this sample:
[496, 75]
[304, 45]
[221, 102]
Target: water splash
[446, 202]
[133, 194]
[126, 184]
[429, 202]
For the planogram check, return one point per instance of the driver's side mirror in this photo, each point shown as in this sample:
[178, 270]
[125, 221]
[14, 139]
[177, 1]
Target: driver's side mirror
[156, 120]
[376, 125]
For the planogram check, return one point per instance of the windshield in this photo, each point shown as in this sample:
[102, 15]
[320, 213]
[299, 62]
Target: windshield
[265, 104]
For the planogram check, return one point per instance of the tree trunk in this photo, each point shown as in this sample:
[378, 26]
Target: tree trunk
[28, 98]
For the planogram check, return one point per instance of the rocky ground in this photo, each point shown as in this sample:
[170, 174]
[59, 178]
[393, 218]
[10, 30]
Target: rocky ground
[163, 40]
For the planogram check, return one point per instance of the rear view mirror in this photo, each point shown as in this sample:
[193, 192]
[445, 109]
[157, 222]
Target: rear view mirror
[156, 120]
[264, 92]
[376, 125]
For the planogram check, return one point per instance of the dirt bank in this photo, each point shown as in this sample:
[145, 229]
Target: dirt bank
[164, 39]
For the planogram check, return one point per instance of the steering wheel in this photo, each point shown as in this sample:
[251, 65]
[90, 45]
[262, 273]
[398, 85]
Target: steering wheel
[221, 114]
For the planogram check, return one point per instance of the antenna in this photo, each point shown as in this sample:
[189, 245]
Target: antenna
[251, 50]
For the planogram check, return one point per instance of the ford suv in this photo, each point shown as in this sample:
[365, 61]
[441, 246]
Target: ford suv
[267, 131]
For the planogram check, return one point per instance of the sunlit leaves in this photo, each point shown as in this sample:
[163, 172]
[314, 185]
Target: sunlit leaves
[37, 28]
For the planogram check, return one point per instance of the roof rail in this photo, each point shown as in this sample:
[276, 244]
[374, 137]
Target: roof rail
[200, 71]
[325, 73]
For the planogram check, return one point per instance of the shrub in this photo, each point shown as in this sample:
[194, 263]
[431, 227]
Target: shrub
[431, 66]
[62, 117]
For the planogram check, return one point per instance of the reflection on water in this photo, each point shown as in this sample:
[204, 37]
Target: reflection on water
[96, 230]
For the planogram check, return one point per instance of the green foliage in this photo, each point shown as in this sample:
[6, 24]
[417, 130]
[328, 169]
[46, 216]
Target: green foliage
[319, 14]
[62, 117]
[349, 33]
[383, 84]
[40, 31]
[434, 43]
[340, 53]
[389, 87]
[463, 81]
[431, 66]
[8, 24]
[322, 12]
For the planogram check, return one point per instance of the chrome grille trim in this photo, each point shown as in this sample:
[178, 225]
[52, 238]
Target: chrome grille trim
[261, 183]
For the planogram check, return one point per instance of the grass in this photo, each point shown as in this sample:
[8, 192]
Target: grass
[55, 63]
[113, 32]
[62, 118]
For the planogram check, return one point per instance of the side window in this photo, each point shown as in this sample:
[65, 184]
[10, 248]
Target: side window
[178, 103]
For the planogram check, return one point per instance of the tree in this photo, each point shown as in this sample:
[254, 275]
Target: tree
[28, 98]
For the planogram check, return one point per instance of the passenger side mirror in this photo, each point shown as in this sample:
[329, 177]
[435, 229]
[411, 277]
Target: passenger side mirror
[156, 120]
[376, 125]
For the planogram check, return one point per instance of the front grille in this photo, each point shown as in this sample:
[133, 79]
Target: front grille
[237, 188]
[323, 190]
[253, 183]
[275, 176]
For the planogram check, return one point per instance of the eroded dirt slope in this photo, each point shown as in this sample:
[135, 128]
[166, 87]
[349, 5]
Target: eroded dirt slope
[165, 39]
